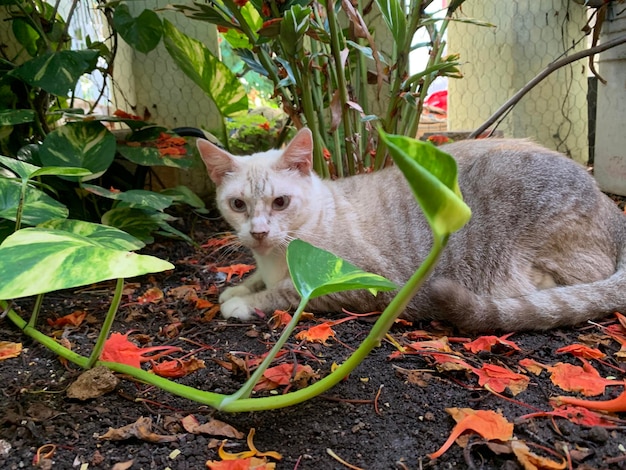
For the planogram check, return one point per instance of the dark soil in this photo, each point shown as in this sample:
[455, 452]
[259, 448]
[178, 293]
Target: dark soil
[383, 416]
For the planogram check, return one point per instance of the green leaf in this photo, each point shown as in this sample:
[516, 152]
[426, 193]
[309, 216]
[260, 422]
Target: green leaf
[137, 222]
[150, 156]
[38, 206]
[105, 235]
[316, 272]
[184, 195]
[295, 23]
[11, 117]
[206, 70]
[26, 35]
[86, 144]
[57, 72]
[395, 18]
[142, 33]
[27, 171]
[432, 175]
[134, 197]
[39, 260]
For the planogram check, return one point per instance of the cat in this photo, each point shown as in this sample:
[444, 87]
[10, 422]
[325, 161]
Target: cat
[544, 247]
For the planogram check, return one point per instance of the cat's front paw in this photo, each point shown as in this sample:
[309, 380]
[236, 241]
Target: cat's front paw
[236, 307]
[234, 291]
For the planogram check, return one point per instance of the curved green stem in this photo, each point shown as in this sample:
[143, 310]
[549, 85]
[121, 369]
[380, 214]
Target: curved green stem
[108, 322]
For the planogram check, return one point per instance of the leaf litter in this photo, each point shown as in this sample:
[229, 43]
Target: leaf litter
[436, 369]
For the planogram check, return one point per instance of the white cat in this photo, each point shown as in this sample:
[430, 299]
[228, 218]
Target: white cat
[544, 246]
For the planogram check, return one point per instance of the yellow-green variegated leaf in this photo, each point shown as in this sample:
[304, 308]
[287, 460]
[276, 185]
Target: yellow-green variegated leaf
[27, 171]
[57, 72]
[134, 197]
[38, 206]
[86, 144]
[432, 175]
[106, 235]
[38, 260]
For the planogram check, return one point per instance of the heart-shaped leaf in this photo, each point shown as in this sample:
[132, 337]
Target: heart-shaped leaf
[134, 197]
[39, 260]
[86, 144]
[432, 175]
[38, 206]
[316, 272]
[105, 235]
[28, 171]
[143, 32]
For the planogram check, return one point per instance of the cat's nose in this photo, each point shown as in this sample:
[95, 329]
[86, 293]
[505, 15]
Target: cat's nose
[259, 235]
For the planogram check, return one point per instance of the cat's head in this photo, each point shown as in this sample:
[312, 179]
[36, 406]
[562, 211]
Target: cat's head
[264, 196]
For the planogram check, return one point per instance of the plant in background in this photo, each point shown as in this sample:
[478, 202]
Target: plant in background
[42, 126]
[329, 71]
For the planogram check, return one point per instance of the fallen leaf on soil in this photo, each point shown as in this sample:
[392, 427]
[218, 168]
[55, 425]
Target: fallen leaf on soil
[9, 349]
[235, 270]
[286, 374]
[485, 343]
[123, 465]
[580, 350]
[93, 383]
[74, 319]
[213, 427]
[449, 362]
[585, 379]
[317, 334]
[177, 368]
[488, 424]
[185, 292]
[253, 452]
[498, 378]
[117, 348]
[616, 405]
[141, 429]
[201, 304]
[280, 319]
[250, 463]
[531, 461]
[151, 296]
[532, 366]
[576, 415]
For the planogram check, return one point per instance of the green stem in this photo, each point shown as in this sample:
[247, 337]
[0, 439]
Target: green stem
[20, 205]
[106, 325]
[32, 322]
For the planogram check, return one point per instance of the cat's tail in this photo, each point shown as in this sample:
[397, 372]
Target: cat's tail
[539, 310]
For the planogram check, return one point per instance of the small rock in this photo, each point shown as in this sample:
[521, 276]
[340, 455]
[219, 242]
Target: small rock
[598, 434]
[93, 383]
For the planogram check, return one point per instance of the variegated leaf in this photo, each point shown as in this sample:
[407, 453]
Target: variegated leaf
[11, 117]
[134, 197]
[149, 156]
[86, 144]
[38, 206]
[105, 235]
[37, 260]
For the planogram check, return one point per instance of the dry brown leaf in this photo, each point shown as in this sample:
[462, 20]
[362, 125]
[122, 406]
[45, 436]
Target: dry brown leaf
[214, 428]
[123, 465]
[141, 429]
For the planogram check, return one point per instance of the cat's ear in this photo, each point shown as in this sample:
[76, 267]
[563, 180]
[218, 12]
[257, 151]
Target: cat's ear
[218, 161]
[298, 155]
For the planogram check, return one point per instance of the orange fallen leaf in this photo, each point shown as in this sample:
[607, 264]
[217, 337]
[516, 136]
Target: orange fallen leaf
[317, 334]
[286, 374]
[235, 270]
[530, 460]
[485, 343]
[201, 304]
[498, 378]
[280, 319]
[151, 296]
[74, 319]
[575, 414]
[488, 424]
[616, 405]
[580, 350]
[117, 348]
[177, 368]
[585, 379]
[244, 460]
[9, 349]
[532, 366]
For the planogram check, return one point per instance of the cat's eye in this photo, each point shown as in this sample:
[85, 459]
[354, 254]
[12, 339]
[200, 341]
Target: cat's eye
[280, 203]
[237, 205]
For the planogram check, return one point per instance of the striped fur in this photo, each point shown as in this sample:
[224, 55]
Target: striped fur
[544, 247]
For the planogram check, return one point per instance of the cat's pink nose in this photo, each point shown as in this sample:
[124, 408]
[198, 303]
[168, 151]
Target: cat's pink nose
[259, 235]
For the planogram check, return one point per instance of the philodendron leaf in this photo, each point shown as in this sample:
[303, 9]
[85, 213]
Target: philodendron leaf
[38, 206]
[11, 117]
[206, 70]
[38, 260]
[137, 222]
[432, 175]
[57, 72]
[86, 144]
[143, 32]
[27, 171]
[105, 235]
[134, 197]
[316, 272]
[150, 156]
